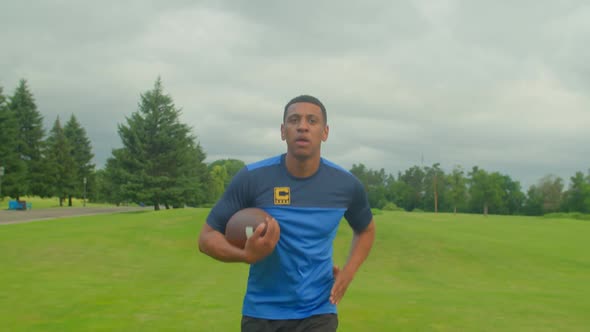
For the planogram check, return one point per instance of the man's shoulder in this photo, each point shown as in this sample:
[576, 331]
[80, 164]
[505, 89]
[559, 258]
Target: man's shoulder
[337, 173]
[268, 162]
[335, 167]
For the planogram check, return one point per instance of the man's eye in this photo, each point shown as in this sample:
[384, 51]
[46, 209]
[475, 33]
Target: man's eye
[312, 120]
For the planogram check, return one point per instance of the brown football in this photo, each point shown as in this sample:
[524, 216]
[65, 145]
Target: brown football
[242, 224]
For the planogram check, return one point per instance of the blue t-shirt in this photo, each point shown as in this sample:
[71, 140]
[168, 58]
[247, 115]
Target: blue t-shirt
[295, 280]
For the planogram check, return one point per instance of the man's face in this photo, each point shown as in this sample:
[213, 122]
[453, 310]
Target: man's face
[304, 129]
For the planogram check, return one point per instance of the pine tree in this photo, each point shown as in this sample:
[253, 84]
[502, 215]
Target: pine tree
[116, 178]
[13, 166]
[161, 162]
[29, 143]
[82, 156]
[63, 170]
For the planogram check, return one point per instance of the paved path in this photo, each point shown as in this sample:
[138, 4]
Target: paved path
[13, 217]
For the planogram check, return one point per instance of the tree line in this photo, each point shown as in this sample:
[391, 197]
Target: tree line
[54, 165]
[162, 164]
[431, 189]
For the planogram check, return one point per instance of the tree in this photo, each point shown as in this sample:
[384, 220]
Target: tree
[217, 179]
[82, 155]
[577, 197]
[29, 142]
[14, 167]
[116, 180]
[533, 205]
[485, 190]
[374, 183]
[512, 196]
[414, 179]
[457, 184]
[97, 195]
[551, 190]
[62, 166]
[232, 167]
[194, 176]
[400, 193]
[435, 196]
[161, 162]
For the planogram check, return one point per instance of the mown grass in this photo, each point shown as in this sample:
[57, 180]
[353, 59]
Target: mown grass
[568, 215]
[142, 272]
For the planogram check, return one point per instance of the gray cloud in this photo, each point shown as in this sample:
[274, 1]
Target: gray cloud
[501, 85]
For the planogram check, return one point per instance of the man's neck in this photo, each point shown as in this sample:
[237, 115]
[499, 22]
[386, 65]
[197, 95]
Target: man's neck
[302, 168]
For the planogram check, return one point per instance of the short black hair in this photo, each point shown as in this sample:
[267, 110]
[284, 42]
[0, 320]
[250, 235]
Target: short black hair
[306, 99]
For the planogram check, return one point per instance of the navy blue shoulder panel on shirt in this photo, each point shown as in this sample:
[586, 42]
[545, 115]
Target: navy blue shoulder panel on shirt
[265, 163]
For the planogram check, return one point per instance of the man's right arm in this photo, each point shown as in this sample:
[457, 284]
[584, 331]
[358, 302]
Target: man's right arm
[213, 244]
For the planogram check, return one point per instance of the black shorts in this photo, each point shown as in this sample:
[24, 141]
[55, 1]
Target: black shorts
[318, 323]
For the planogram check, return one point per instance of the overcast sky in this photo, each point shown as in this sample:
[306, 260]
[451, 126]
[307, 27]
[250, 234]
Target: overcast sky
[504, 85]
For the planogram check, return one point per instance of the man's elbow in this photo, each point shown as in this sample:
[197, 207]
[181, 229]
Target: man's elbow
[369, 230]
[202, 243]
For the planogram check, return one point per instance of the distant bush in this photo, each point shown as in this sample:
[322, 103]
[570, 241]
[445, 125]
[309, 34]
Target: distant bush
[376, 212]
[570, 215]
[417, 210]
[206, 205]
[390, 206]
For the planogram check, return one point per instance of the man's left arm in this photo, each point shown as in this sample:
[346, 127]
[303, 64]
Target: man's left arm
[360, 248]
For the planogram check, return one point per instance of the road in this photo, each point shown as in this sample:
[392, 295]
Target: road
[13, 217]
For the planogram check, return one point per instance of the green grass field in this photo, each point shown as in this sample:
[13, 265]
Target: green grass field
[142, 272]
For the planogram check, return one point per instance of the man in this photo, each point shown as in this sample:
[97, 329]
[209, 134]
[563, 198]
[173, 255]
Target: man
[293, 284]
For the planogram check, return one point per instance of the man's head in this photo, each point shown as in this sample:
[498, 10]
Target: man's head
[304, 127]
[306, 99]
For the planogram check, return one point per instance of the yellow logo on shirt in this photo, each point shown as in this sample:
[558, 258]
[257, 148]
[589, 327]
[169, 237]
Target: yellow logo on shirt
[282, 196]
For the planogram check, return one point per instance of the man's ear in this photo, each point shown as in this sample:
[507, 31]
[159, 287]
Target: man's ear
[325, 133]
[283, 136]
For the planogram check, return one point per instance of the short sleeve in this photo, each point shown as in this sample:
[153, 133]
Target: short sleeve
[359, 213]
[236, 197]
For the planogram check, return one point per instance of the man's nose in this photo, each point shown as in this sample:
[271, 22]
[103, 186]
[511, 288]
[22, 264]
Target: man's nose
[303, 125]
